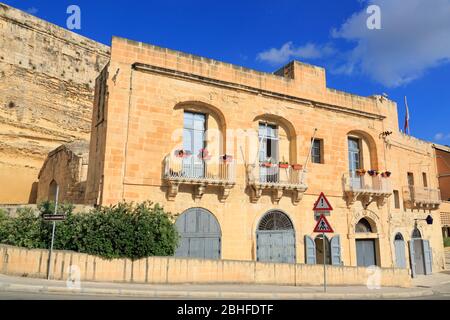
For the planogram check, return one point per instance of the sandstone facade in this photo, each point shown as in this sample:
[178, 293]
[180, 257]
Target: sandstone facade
[47, 80]
[137, 129]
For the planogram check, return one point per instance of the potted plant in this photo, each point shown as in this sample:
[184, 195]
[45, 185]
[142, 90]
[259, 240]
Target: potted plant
[226, 158]
[386, 174]
[373, 173]
[283, 165]
[297, 167]
[182, 153]
[268, 163]
[203, 154]
[360, 172]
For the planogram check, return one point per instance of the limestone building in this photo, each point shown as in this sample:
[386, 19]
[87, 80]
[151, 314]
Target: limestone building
[443, 167]
[243, 155]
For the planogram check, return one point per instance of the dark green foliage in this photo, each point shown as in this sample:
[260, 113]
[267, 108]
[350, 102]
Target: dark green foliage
[121, 231]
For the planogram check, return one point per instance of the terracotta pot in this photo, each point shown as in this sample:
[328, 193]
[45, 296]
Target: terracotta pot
[297, 167]
[283, 166]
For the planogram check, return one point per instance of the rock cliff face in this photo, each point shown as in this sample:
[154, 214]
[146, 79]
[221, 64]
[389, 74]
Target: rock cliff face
[47, 80]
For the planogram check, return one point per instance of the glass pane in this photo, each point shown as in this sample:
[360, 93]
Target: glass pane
[187, 139]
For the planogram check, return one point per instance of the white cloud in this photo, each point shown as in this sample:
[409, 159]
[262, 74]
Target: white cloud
[32, 10]
[415, 37]
[441, 136]
[288, 51]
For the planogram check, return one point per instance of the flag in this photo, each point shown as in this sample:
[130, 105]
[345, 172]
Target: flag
[406, 128]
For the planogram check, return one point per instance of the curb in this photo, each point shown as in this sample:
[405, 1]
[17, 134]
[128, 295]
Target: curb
[167, 294]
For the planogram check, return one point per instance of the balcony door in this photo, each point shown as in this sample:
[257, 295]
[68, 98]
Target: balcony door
[268, 152]
[354, 161]
[193, 142]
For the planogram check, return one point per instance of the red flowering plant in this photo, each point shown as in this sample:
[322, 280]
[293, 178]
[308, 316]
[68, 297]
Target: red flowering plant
[182, 153]
[203, 154]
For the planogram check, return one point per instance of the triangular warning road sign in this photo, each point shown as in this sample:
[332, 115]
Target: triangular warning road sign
[322, 204]
[323, 226]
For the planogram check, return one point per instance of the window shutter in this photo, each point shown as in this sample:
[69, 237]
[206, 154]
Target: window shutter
[310, 248]
[427, 256]
[336, 251]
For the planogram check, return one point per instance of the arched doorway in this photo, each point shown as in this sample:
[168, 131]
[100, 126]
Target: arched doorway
[365, 244]
[420, 254]
[53, 191]
[319, 250]
[275, 238]
[399, 244]
[200, 235]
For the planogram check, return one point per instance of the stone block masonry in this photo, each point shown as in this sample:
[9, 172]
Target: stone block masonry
[167, 270]
[47, 80]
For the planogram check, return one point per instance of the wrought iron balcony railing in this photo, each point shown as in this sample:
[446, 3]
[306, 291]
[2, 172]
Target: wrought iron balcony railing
[366, 188]
[421, 197]
[278, 180]
[200, 173]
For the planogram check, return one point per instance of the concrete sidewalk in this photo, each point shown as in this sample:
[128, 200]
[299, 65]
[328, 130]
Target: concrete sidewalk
[422, 287]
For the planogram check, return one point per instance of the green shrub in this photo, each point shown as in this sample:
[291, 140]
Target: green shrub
[121, 231]
[446, 242]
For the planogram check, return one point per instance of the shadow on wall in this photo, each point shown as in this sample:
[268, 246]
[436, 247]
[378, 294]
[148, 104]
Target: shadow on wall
[33, 193]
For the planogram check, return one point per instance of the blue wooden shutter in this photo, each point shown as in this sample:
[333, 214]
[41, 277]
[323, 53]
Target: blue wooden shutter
[427, 256]
[412, 257]
[336, 251]
[400, 254]
[310, 249]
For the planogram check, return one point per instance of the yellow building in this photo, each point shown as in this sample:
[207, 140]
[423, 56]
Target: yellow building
[243, 155]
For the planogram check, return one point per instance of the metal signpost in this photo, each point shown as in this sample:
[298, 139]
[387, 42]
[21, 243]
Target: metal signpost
[323, 208]
[53, 217]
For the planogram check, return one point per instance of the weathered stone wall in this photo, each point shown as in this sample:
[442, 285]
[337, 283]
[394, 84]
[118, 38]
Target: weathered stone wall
[67, 166]
[47, 78]
[158, 270]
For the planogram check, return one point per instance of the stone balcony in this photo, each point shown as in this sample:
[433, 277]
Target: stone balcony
[421, 197]
[278, 181]
[367, 189]
[200, 174]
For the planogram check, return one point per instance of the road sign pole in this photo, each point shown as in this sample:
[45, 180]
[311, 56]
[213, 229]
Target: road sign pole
[53, 236]
[324, 264]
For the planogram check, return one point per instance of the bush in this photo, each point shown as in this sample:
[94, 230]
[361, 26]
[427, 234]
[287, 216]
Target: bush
[121, 231]
[446, 242]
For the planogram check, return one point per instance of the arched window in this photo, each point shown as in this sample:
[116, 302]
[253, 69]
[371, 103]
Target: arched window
[416, 234]
[399, 237]
[363, 226]
[275, 220]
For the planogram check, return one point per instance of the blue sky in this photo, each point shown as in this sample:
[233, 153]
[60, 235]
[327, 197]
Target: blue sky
[409, 56]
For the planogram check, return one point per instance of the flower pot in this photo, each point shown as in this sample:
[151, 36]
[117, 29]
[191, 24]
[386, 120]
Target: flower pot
[267, 164]
[360, 172]
[283, 166]
[297, 167]
[386, 174]
[373, 173]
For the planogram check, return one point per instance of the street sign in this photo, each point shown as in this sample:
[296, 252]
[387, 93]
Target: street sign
[317, 214]
[54, 217]
[322, 204]
[323, 226]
